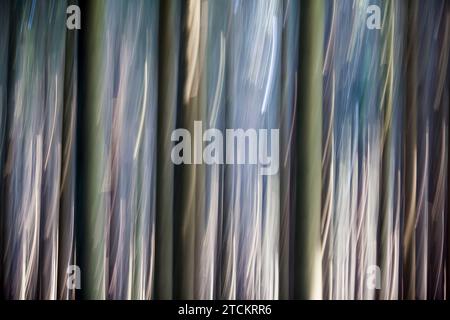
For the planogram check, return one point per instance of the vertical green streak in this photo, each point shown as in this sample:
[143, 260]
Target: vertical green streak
[307, 263]
[185, 243]
[393, 35]
[170, 29]
[68, 169]
[95, 155]
[289, 73]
